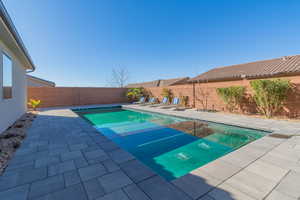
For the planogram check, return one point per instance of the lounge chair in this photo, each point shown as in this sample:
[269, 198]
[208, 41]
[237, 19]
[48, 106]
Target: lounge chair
[175, 103]
[142, 100]
[164, 102]
[182, 106]
[151, 101]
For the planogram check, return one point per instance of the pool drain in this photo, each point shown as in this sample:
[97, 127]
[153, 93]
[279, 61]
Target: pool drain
[281, 136]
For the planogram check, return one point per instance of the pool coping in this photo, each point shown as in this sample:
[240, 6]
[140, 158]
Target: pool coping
[256, 150]
[202, 120]
[225, 164]
[190, 118]
[269, 125]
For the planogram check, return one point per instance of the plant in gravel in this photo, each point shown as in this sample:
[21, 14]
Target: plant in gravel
[34, 103]
[269, 95]
[166, 92]
[232, 96]
[184, 100]
[133, 94]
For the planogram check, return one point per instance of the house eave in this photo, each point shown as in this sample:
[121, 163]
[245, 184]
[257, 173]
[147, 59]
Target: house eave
[6, 21]
[41, 81]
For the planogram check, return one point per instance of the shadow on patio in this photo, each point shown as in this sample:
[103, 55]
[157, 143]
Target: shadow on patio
[64, 157]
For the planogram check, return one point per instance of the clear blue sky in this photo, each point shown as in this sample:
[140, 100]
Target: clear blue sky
[78, 42]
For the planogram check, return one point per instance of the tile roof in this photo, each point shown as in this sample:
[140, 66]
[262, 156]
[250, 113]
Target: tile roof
[160, 83]
[174, 81]
[259, 69]
[144, 84]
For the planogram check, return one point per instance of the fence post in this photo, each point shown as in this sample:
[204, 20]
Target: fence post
[194, 93]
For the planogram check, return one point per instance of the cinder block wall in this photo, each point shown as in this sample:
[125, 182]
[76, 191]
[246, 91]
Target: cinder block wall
[74, 96]
[291, 106]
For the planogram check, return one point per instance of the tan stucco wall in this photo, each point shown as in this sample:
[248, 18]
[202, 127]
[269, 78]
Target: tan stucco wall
[12, 109]
[291, 107]
[73, 96]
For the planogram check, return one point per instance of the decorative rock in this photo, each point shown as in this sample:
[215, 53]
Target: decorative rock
[12, 138]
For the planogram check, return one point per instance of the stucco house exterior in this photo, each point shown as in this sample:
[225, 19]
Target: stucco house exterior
[33, 81]
[15, 62]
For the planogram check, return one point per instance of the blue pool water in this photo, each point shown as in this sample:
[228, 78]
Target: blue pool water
[171, 146]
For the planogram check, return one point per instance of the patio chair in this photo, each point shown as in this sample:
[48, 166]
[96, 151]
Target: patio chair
[151, 101]
[175, 103]
[182, 106]
[142, 100]
[164, 102]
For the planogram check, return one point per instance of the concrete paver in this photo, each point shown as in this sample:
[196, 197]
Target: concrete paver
[92, 171]
[135, 193]
[64, 157]
[114, 181]
[136, 170]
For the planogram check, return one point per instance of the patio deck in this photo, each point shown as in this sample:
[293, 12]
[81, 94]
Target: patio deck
[64, 157]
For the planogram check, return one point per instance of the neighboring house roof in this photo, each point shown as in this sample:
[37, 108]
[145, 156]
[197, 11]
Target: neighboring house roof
[38, 82]
[260, 69]
[9, 34]
[144, 84]
[160, 83]
[174, 81]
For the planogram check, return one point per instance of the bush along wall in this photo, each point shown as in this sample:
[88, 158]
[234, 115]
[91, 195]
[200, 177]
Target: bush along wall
[269, 95]
[133, 94]
[204, 96]
[232, 96]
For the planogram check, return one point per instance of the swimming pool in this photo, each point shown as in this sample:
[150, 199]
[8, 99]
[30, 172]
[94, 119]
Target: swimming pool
[171, 146]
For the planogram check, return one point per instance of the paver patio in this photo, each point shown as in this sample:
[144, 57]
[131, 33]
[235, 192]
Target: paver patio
[64, 157]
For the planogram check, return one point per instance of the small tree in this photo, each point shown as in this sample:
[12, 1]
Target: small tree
[134, 94]
[167, 93]
[232, 96]
[184, 100]
[202, 95]
[119, 77]
[269, 95]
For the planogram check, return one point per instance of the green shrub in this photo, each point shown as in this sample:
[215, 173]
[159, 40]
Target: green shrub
[34, 103]
[134, 94]
[269, 95]
[232, 96]
[167, 93]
